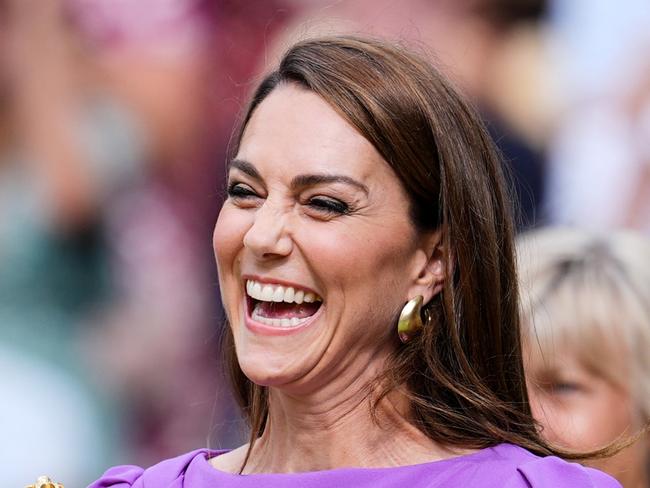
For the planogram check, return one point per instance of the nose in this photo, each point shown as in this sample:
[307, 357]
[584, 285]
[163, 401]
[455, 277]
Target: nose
[267, 237]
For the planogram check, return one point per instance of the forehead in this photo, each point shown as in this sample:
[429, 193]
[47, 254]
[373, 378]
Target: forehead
[577, 346]
[293, 128]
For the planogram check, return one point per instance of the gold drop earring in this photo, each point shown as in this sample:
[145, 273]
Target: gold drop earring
[410, 321]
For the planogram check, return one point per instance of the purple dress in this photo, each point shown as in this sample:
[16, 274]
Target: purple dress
[502, 466]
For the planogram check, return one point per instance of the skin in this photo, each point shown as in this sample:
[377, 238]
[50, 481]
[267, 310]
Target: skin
[365, 263]
[580, 410]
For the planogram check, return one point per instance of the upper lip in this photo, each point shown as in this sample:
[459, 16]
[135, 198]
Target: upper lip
[279, 281]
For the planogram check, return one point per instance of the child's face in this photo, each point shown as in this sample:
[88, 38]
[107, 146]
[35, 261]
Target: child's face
[580, 410]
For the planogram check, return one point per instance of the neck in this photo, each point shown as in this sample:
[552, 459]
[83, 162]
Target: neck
[633, 478]
[317, 433]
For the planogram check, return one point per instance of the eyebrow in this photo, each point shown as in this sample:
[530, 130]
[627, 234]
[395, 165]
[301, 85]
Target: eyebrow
[245, 167]
[300, 181]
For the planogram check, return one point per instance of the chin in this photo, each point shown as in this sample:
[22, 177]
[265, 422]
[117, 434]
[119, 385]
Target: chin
[264, 370]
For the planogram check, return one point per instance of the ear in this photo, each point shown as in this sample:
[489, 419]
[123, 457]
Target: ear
[432, 268]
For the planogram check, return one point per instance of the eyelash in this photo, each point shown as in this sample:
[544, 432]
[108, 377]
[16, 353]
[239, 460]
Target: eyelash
[325, 205]
[329, 205]
[238, 190]
[562, 387]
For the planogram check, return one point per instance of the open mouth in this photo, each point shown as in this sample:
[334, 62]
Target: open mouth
[280, 306]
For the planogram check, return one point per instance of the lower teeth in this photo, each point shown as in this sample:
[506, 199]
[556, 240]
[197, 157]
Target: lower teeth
[284, 323]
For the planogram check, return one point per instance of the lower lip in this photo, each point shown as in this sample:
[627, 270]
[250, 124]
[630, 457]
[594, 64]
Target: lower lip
[263, 329]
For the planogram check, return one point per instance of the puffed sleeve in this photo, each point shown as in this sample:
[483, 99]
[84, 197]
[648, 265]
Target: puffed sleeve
[556, 473]
[120, 477]
[169, 473]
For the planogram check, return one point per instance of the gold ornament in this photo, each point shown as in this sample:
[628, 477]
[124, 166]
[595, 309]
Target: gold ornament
[410, 322]
[45, 482]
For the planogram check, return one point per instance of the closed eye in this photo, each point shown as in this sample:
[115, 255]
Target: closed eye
[561, 387]
[328, 205]
[565, 388]
[241, 191]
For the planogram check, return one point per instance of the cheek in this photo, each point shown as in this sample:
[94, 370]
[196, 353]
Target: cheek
[227, 238]
[582, 422]
[617, 417]
[228, 234]
[368, 265]
[564, 421]
[613, 415]
[553, 417]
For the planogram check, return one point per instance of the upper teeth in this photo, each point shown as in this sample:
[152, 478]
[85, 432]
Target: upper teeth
[276, 293]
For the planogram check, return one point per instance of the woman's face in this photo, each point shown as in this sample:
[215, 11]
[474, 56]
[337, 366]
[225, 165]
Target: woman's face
[315, 249]
[580, 410]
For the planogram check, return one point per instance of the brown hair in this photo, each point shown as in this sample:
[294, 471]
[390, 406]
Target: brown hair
[464, 373]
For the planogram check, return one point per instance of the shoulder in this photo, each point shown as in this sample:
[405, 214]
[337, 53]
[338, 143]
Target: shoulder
[161, 475]
[230, 461]
[540, 472]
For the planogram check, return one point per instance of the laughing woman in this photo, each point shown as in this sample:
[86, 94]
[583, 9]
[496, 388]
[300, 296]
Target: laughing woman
[366, 263]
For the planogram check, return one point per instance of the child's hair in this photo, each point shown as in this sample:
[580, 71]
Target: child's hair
[590, 294]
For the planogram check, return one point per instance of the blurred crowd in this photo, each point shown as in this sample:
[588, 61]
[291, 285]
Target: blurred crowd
[115, 118]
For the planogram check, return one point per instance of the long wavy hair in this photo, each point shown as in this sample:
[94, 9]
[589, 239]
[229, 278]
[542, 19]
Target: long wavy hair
[463, 374]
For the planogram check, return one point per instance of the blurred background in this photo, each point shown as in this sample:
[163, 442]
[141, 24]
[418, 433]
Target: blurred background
[115, 116]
